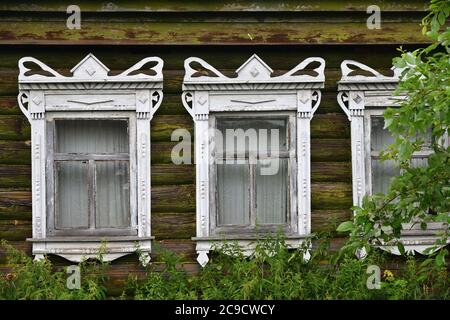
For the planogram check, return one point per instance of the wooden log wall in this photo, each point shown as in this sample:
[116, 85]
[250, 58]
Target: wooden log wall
[223, 33]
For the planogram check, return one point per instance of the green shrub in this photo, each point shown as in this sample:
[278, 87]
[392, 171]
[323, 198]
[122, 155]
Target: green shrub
[272, 271]
[36, 280]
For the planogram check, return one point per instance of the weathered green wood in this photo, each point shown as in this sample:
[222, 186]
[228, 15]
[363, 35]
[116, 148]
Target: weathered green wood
[330, 126]
[173, 198]
[19, 176]
[18, 152]
[8, 212]
[15, 152]
[221, 5]
[171, 174]
[15, 176]
[181, 198]
[197, 33]
[170, 225]
[330, 149]
[331, 172]
[14, 127]
[328, 220]
[337, 195]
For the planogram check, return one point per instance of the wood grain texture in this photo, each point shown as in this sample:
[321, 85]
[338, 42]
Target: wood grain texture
[105, 32]
[214, 6]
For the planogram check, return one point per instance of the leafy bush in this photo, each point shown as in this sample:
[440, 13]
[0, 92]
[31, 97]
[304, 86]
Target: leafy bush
[272, 271]
[275, 272]
[36, 280]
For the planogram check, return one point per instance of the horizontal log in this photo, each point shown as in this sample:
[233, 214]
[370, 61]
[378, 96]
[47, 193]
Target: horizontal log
[330, 126]
[101, 32]
[221, 6]
[18, 176]
[330, 150]
[18, 212]
[181, 198]
[163, 126]
[11, 198]
[328, 220]
[331, 172]
[176, 225]
[15, 152]
[221, 57]
[322, 150]
[172, 80]
[172, 174]
[14, 127]
[173, 198]
[337, 195]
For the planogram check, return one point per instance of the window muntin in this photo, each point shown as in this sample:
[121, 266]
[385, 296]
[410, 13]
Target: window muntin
[251, 197]
[91, 178]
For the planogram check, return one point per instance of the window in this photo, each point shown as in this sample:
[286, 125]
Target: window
[364, 94]
[92, 184]
[380, 173]
[253, 181]
[90, 157]
[252, 151]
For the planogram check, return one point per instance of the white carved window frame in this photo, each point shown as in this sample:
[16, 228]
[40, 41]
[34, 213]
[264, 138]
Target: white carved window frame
[134, 95]
[252, 90]
[362, 97]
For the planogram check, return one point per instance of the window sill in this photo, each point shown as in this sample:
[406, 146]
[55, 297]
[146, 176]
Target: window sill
[76, 249]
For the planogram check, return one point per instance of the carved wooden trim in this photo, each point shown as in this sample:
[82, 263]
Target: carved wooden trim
[206, 90]
[358, 95]
[44, 92]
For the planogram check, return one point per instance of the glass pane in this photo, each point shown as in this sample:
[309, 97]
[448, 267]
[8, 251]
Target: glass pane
[92, 136]
[113, 194]
[380, 138]
[271, 191]
[419, 162]
[255, 135]
[72, 203]
[382, 173]
[233, 194]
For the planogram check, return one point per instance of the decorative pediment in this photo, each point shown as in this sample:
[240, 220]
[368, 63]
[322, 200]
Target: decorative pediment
[92, 71]
[254, 68]
[254, 74]
[358, 76]
[90, 67]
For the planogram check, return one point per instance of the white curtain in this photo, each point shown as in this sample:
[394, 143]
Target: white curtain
[112, 197]
[72, 197]
[92, 136]
[271, 194]
[112, 203]
[233, 193]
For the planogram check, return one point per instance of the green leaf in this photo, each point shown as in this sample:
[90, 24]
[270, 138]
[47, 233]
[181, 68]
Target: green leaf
[401, 248]
[345, 226]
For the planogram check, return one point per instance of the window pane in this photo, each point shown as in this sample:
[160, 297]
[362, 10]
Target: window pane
[113, 194]
[382, 172]
[271, 191]
[256, 132]
[419, 162]
[233, 194]
[72, 194]
[92, 136]
[380, 138]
